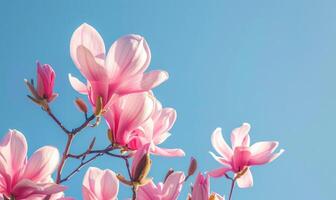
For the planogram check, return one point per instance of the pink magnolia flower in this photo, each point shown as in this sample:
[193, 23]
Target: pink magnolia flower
[168, 190]
[201, 189]
[120, 72]
[26, 179]
[241, 156]
[139, 119]
[100, 185]
[45, 82]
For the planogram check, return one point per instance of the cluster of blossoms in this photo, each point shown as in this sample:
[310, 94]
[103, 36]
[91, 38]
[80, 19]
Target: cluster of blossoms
[120, 92]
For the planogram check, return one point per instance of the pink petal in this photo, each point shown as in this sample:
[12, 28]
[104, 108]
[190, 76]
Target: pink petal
[240, 158]
[167, 152]
[173, 186]
[13, 151]
[163, 123]
[221, 160]
[86, 36]
[262, 153]
[240, 137]
[246, 180]
[128, 56]
[109, 185]
[219, 172]
[201, 188]
[142, 82]
[78, 85]
[148, 191]
[135, 110]
[91, 67]
[220, 145]
[26, 187]
[42, 164]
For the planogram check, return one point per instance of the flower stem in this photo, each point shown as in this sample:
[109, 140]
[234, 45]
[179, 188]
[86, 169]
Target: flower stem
[232, 187]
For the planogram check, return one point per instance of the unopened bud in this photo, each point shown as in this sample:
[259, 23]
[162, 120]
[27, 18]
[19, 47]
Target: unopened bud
[99, 106]
[142, 169]
[81, 105]
[170, 171]
[192, 166]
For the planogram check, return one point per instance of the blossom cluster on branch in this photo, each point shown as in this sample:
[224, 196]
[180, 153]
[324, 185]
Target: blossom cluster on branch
[120, 92]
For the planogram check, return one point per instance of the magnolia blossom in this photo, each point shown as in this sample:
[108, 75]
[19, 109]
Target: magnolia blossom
[201, 189]
[241, 156]
[139, 119]
[168, 190]
[120, 72]
[100, 185]
[26, 179]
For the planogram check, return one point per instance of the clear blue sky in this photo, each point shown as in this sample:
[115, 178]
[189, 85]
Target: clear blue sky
[270, 63]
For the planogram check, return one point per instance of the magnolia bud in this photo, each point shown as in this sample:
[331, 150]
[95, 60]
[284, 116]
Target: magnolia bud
[192, 166]
[122, 179]
[81, 105]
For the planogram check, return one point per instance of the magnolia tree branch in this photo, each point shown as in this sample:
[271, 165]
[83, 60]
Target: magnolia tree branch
[70, 136]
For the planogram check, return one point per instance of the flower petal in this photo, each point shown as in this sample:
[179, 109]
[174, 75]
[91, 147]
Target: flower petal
[167, 152]
[78, 85]
[262, 152]
[86, 36]
[42, 164]
[13, 152]
[173, 186]
[240, 136]
[246, 180]
[220, 145]
[219, 172]
[142, 82]
[128, 56]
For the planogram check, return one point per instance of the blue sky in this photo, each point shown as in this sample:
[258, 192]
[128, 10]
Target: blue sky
[270, 63]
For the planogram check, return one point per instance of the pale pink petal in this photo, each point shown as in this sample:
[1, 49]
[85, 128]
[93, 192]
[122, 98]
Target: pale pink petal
[78, 85]
[163, 123]
[240, 137]
[220, 145]
[42, 163]
[109, 185]
[87, 194]
[142, 82]
[13, 151]
[167, 152]
[219, 172]
[221, 160]
[246, 180]
[26, 187]
[86, 36]
[91, 181]
[128, 56]
[262, 153]
[173, 186]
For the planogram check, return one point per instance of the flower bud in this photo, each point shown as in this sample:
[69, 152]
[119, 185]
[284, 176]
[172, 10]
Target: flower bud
[141, 166]
[45, 82]
[192, 166]
[81, 105]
